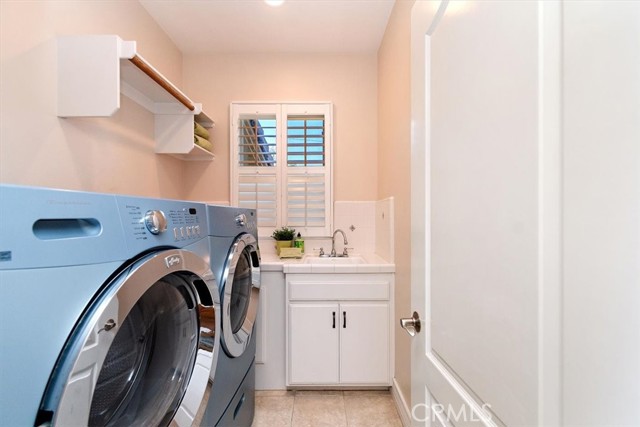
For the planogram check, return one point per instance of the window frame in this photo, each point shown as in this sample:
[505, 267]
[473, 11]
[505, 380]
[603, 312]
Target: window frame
[281, 111]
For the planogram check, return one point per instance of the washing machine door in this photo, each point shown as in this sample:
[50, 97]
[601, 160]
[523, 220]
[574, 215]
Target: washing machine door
[241, 284]
[143, 352]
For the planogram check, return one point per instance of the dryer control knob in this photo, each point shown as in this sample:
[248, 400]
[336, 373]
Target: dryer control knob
[241, 220]
[155, 221]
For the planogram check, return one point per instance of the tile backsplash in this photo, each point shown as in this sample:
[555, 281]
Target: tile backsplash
[384, 229]
[357, 220]
[368, 226]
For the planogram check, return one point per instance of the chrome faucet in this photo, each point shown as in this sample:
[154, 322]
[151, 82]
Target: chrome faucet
[333, 243]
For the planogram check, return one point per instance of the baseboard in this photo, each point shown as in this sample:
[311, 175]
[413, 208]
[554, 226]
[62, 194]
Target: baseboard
[401, 404]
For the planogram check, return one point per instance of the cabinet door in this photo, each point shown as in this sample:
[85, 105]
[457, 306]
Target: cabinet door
[313, 343]
[364, 343]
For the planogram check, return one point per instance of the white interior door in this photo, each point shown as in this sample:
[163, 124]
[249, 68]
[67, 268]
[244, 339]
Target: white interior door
[525, 213]
[485, 227]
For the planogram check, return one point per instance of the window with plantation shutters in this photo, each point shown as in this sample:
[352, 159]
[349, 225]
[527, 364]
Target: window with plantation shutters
[281, 165]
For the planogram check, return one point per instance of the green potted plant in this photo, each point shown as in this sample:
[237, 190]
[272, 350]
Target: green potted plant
[284, 238]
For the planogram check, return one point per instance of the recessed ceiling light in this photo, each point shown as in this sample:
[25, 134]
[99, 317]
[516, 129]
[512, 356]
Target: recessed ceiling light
[274, 3]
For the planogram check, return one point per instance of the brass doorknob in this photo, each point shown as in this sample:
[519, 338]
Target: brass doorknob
[411, 324]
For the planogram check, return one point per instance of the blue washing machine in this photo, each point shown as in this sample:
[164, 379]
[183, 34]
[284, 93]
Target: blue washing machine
[235, 262]
[109, 310]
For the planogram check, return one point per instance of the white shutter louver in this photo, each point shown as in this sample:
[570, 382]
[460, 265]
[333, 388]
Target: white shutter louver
[259, 192]
[306, 200]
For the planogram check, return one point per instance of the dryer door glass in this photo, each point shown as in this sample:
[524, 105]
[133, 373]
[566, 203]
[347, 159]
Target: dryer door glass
[241, 281]
[147, 368]
[241, 291]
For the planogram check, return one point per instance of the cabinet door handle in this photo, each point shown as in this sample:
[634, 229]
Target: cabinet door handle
[334, 320]
[344, 319]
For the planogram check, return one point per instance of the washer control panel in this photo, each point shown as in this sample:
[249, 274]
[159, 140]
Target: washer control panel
[154, 222]
[188, 232]
[230, 221]
[241, 220]
[185, 224]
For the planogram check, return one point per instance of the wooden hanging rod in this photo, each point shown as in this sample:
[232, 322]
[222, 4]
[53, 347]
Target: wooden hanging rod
[158, 78]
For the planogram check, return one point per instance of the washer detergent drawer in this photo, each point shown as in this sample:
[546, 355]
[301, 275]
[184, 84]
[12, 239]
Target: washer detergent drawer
[240, 411]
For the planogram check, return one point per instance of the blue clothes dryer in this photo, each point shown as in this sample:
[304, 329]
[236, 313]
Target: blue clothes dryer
[109, 310]
[235, 262]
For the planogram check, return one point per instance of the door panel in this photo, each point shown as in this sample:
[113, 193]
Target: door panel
[528, 285]
[484, 203]
[480, 311]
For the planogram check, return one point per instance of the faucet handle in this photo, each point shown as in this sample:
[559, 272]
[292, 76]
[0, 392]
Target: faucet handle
[345, 251]
[321, 251]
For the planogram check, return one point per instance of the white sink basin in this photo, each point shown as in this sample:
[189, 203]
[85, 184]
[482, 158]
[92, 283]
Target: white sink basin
[334, 260]
[356, 263]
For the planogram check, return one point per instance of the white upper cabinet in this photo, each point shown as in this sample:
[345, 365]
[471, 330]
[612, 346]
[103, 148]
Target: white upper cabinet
[93, 70]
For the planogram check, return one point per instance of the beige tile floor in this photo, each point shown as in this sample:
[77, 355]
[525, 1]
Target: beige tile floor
[330, 408]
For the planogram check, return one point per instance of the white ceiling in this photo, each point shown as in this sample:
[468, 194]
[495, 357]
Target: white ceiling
[251, 26]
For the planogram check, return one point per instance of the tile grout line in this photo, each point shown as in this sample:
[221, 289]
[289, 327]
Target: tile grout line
[293, 408]
[344, 409]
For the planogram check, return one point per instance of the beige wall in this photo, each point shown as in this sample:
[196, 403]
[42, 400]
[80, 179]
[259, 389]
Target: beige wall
[394, 174]
[113, 154]
[371, 116]
[116, 154]
[349, 81]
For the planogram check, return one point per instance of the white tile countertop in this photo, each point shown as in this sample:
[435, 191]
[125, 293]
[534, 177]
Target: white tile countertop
[355, 263]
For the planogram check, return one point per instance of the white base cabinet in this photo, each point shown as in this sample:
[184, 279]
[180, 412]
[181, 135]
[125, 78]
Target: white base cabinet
[339, 329]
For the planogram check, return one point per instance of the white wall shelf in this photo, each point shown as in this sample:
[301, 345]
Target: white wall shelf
[93, 70]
